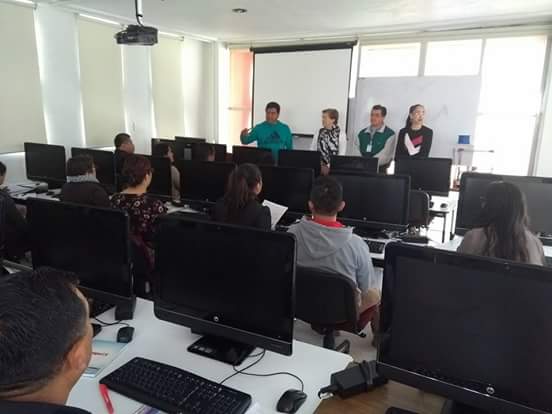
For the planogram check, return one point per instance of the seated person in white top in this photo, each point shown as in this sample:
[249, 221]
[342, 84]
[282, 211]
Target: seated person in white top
[330, 139]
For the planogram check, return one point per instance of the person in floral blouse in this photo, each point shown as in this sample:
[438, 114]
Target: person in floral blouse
[142, 209]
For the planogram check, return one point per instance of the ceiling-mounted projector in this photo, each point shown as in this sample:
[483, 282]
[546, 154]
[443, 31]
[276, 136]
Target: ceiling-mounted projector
[137, 34]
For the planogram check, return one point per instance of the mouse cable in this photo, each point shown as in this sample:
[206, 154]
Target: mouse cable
[273, 374]
[110, 323]
[261, 356]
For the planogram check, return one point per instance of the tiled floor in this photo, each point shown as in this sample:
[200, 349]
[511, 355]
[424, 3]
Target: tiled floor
[361, 348]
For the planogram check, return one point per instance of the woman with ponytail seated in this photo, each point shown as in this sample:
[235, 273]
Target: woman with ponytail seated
[504, 233]
[240, 205]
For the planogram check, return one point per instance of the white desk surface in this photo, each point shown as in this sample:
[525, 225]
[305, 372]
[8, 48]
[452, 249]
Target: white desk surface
[165, 342]
[455, 243]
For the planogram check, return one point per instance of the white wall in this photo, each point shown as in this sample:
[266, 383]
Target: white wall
[58, 61]
[15, 164]
[198, 66]
[543, 167]
[137, 96]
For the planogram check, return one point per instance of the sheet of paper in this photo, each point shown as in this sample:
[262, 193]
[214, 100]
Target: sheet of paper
[277, 211]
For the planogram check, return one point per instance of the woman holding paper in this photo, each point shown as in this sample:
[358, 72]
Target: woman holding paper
[240, 205]
[415, 138]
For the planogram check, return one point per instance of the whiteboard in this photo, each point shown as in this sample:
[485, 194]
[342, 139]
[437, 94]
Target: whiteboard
[451, 104]
[303, 83]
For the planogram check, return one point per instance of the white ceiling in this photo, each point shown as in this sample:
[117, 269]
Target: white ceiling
[288, 19]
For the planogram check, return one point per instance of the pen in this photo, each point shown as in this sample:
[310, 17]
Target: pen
[105, 395]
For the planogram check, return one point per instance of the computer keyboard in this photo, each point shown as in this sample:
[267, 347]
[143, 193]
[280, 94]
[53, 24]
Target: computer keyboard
[174, 390]
[375, 246]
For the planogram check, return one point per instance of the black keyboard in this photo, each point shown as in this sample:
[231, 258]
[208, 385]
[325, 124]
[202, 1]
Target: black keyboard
[375, 246]
[98, 307]
[174, 390]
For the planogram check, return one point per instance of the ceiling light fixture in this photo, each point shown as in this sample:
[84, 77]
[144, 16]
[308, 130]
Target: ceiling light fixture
[239, 10]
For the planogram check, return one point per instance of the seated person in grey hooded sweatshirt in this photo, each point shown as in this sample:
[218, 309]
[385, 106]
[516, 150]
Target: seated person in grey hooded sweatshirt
[326, 244]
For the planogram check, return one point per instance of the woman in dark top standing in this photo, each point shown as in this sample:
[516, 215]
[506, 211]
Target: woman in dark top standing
[240, 205]
[415, 138]
[82, 186]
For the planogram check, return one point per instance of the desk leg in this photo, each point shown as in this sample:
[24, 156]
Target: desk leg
[444, 228]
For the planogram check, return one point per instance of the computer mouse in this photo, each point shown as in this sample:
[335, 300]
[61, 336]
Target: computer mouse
[125, 334]
[291, 401]
[444, 205]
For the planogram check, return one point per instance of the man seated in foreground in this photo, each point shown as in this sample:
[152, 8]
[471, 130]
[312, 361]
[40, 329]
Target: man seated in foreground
[45, 341]
[326, 244]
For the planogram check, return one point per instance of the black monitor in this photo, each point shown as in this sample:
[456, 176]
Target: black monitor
[289, 187]
[44, 162]
[473, 330]
[200, 151]
[161, 182]
[375, 201]
[240, 299]
[537, 191]
[252, 155]
[349, 164]
[204, 181]
[431, 175]
[178, 148]
[92, 242]
[188, 145]
[104, 162]
[300, 159]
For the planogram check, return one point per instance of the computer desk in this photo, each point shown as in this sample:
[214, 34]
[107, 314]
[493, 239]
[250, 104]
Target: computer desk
[165, 342]
[453, 245]
[448, 214]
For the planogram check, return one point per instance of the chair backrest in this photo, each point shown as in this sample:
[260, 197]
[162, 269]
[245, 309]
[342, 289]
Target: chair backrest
[419, 208]
[2, 225]
[324, 298]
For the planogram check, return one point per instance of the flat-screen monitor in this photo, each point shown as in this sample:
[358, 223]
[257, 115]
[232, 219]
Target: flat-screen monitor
[431, 175]
[44, 162]
[375, 201]
[474, 330]
[92, 242]
[201, 150]
[289, 187]
[252, 155]
[300, 159]
[188, 145]
[104, 162]
[204, 181]
[178, 148]
[537, 191]
[350, 163]
[241, 297]
[161, 182]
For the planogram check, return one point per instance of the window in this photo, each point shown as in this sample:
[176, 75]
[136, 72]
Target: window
[509, 103]
[21, 111]
[389, 60]
[454, 58]
[167, 85]
[101, 82]
[241, 80]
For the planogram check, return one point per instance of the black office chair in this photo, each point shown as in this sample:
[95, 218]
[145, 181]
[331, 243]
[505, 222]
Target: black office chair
[328, 302]
[419, 211]
[3, 270]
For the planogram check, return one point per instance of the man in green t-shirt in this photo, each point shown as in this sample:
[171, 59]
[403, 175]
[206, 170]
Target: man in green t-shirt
[378, 140]
[271, 134]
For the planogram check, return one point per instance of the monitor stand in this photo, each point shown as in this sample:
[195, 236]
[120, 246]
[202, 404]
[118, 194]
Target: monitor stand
[452, 407]
[125, 312]
[224, 350]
